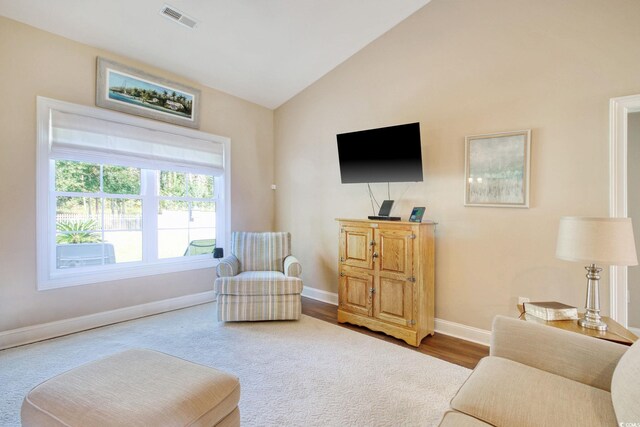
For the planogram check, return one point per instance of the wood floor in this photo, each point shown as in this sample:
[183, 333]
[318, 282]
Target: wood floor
[454, 350]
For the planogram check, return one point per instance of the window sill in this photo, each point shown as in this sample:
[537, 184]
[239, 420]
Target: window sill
[78, 277]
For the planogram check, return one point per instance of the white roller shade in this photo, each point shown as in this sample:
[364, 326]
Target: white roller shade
[78, 137]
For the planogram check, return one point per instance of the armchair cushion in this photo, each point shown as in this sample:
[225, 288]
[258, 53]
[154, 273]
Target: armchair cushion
[292, 267]
[228, 266]
[258, 283]
[502, 392]
[261, 251]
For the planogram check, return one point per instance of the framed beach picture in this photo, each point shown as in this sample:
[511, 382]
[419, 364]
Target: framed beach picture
[129, 90]
[497, 169]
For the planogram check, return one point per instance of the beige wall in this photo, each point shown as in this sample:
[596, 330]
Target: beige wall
[32, 63]
[464, 67]
[633, 182]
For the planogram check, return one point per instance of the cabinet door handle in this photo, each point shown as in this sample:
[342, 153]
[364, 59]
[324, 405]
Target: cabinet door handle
[375, 254]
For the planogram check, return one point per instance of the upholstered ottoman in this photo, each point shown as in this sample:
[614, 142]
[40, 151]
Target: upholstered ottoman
[135, 388]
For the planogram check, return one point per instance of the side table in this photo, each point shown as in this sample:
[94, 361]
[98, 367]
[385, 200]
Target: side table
[615, 332]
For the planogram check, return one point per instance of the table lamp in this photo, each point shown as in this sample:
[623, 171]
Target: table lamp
[596, 241]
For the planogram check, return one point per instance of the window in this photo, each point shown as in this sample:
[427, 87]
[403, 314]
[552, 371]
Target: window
[98, 216]
[186, 215]
[120, 196]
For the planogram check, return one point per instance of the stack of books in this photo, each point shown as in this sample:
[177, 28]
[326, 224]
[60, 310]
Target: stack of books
[551, 310]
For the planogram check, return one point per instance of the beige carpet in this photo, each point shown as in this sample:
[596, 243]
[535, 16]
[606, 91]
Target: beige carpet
[305, 373]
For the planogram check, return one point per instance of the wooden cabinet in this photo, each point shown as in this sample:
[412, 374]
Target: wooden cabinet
[387, 277]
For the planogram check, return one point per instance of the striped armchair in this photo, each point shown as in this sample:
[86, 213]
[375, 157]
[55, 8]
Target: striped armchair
[260, 280]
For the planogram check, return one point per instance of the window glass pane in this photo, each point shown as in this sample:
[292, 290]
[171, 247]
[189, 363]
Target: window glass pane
[172, 184]
[120, 180]
[122, 214]
[78, 214]
[77, 177]
[172, 243]
[74, 255]
[203, 214]
[201, 186]
[127, 245]
[202, 242]
[173, 214]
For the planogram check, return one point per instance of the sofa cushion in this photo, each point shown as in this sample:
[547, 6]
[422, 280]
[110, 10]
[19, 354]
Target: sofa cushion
[261, 251]
[506, 393]
[574, 356]
[458, 419]
[258, 283]
[625, 386]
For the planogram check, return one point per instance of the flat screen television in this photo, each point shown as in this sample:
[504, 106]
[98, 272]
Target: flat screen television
[389, 154]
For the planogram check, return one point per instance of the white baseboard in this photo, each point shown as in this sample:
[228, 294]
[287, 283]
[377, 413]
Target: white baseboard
[320, 295]
[458, 330]
[30, 334]
[445, 327]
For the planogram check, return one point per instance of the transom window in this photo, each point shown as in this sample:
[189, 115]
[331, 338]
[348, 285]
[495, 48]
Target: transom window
[118, 201]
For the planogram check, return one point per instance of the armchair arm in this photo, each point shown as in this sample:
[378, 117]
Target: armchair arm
[228, 266]
[292, 267]
[578, 357]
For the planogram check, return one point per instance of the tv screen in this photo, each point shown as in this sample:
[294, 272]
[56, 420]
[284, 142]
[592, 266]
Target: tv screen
[389, 154]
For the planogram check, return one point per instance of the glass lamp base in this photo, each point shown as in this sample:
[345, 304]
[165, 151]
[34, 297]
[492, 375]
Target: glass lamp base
[592, 319]
[592, 324]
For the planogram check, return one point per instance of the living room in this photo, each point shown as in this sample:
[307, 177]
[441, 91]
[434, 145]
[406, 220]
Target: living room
[459, 68]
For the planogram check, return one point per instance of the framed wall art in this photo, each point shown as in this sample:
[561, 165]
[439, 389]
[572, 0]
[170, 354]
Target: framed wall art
[497, 169]
[129, 90]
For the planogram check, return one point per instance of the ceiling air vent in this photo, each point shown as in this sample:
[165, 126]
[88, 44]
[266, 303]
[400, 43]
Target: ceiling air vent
[175, 15]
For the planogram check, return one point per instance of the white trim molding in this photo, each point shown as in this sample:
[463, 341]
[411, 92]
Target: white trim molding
[467, 333]
[445, 327]
[320, 295]
[619, 108]
[30, 334]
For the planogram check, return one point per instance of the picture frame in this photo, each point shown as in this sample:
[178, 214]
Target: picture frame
[132, 91]
[497, 169]
[417, 213]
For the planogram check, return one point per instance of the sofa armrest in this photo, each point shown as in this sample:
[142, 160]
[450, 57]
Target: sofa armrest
[578, 357]
[228, 266]
[292, 267]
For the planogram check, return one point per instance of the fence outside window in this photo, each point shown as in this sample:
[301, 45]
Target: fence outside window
[111, 222]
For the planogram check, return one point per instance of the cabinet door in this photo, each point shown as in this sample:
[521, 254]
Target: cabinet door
[394, 252]
[356, 246]
[395, 283]
[355, 292]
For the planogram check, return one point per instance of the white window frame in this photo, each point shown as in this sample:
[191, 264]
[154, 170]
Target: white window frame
[48, 277]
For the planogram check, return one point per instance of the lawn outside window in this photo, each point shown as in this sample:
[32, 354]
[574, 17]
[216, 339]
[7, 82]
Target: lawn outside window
[120, 197]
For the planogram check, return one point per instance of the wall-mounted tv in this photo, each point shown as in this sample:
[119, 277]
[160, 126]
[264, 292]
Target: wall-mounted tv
[389, 154]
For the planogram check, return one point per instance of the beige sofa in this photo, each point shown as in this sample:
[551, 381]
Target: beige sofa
[537, 375]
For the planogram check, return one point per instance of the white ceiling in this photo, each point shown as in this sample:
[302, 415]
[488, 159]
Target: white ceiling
[265, 51]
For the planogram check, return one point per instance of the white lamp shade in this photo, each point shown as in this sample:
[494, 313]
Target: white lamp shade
[603, 241]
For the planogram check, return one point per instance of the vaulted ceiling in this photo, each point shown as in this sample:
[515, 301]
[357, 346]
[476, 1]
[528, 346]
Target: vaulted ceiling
[264, 51]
